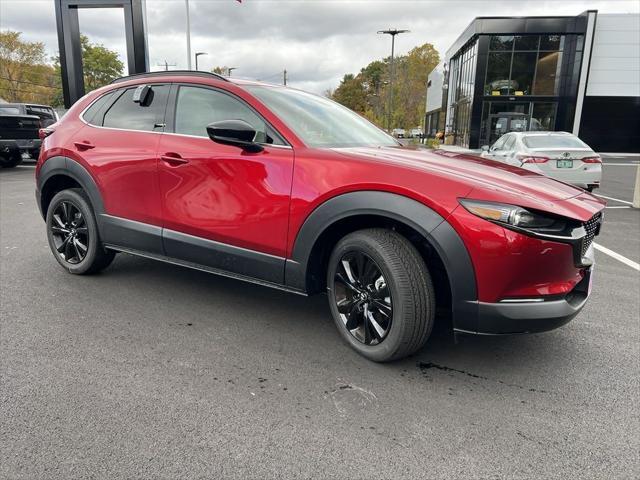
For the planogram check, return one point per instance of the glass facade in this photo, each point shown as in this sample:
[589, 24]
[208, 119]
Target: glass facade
[462, 76]
[524, 65]
[512, 82]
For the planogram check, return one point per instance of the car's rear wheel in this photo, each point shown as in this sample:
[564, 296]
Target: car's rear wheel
[380, 294]
[73, 235]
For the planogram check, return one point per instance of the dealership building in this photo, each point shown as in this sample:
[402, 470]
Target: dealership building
[577, 74]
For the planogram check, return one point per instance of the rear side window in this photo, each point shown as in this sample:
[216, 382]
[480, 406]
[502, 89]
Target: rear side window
[95, 113]
[9, 111]
[129, 115]
[197, 107]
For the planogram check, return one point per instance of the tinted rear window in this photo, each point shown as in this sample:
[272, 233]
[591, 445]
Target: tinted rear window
[553, 141]
[128, 115]
[9, 111]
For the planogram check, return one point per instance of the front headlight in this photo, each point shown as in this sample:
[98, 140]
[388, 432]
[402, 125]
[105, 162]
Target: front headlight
[514, 216]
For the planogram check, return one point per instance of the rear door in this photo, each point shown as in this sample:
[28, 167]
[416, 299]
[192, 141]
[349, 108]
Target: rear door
[120, 144]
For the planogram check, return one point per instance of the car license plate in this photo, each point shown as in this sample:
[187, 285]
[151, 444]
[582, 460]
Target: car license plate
[565, 163]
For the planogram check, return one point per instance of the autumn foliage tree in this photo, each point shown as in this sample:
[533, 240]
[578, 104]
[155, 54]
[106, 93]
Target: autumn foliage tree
[368, 92]
[25, 76]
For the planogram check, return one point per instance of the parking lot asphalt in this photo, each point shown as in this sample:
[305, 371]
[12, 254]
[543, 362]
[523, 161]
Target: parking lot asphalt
[154, 371]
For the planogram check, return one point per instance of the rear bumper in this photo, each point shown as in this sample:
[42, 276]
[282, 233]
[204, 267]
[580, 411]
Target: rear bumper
[530, 316]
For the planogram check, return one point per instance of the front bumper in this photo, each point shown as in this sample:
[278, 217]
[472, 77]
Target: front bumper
[534, 315]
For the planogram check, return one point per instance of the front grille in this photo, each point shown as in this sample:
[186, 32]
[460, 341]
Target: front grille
[592, 228]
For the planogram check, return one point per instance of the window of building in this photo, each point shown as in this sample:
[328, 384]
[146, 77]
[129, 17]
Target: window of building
[501, 42]
[129, 115]
[543, 116]
[498, 74]
[523, 70]
[526, 42]
[524, 65]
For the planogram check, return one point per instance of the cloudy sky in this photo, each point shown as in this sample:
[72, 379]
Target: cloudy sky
[317, 41]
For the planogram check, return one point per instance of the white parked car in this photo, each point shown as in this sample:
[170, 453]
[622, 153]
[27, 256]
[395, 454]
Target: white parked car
[559, 155]
[415, 133]
[398, 132]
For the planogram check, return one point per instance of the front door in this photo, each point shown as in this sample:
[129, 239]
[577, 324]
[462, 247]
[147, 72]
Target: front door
[224, 207]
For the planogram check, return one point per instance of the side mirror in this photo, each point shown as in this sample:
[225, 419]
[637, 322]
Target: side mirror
[234, 132]
[485, 148]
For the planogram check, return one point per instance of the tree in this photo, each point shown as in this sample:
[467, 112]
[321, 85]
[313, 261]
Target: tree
[220, 70]
[368, 92]
[99, 67]
[351, 93]
[24, 74]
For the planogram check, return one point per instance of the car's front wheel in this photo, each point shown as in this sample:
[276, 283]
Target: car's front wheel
[380, 294]
[73, 235]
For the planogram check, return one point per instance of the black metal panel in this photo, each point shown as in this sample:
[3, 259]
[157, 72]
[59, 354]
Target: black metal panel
[478, 91]
[611, 124]
[69, 41]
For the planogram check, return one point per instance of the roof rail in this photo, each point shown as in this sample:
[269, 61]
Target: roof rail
[166, 73]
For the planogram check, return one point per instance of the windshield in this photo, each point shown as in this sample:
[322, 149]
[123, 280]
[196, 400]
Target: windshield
[553, 141]
[320, 122]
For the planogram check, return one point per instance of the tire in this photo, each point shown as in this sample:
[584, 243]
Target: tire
[10, 161]
[71, 225]
[402, 283]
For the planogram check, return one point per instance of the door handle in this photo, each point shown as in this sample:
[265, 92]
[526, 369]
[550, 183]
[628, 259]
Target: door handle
[173, 159]
[84, 145]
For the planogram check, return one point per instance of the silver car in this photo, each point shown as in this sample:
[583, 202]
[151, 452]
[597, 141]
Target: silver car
[559, 155]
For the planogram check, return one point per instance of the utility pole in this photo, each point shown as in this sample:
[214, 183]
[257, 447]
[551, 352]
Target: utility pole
[284, 77]
[188, 36]
[166, 65]
[393, 32]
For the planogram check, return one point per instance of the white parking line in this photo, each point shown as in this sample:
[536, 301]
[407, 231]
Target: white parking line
[614, 199]
[629, 164]
[617, 256]
[619, 206]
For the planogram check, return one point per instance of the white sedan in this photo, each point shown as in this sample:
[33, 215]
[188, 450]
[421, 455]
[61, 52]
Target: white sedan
[559, 155]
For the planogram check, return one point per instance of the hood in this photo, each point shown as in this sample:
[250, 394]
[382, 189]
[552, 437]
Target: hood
[494, 180]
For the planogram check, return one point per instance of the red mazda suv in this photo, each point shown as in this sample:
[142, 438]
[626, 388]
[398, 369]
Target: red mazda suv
[290, 190]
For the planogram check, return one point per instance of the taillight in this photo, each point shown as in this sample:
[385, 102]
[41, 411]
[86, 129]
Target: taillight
[531, 159]
[45, 132]
[592, 160]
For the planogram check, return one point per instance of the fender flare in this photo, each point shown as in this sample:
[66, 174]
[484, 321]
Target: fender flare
[432, 226]
[64, 166]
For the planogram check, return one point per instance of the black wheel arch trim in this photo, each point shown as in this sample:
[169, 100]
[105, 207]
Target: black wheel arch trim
[432, 226]
[65, 166]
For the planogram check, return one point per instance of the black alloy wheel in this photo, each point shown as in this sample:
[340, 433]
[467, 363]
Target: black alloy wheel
[72, 233]
[380, 294]
[69, 232]
[363, 298]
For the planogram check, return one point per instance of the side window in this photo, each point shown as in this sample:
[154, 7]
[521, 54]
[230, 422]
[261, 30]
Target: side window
[508, 145]
[197, 107]
[95, 113]
[129, 115]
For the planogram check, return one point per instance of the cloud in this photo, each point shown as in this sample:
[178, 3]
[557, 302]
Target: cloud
[317, 41]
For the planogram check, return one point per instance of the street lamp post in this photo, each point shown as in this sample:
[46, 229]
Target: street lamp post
[186, 2]
[393, 32]
[197, 55]
[231, 69]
